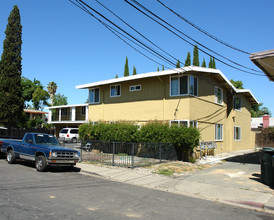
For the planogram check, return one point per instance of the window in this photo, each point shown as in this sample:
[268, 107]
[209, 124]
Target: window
[74, 131]
[115, 91]
[28, 138]
[178, 123]
[83, 110]
[193, 124]
[218, 95]
[64, 111]
[135, 88]
[94, 95]
[184, 85]
[218, 132]
[237, 133]
[193, 85]
[237, 103]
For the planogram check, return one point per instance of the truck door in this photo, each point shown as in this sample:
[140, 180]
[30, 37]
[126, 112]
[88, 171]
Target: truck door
[26, 147]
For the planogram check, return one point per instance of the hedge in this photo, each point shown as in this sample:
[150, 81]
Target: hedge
[184, 139]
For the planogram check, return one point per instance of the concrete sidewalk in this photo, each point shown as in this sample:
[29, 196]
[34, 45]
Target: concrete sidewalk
[232, 183]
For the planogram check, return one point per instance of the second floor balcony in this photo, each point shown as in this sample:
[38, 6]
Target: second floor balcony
[68, 113]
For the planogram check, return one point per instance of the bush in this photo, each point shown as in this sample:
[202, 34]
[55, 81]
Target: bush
[184, 139]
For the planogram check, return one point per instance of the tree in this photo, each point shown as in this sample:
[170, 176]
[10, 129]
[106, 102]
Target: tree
[238, 84]
[11, 99]
[39, 98]
[163, 67]
[203, 63]
[178, 64]
[116, 76]
[59, 99]
[134, 70]
[158, 69]
[126, 70]
[213, 63]
[52, 87]
[210, 63]
[188, 60]
[28, 88]
[196, 56]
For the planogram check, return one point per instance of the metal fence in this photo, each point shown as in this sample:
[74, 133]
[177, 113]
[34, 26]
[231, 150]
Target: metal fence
[126, 154]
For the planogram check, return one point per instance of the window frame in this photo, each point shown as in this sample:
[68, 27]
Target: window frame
[217, 133]
[135, 86]
[116, 86]
[240, 133]
[216, 97]
[179, 122]
[195, 123]
[94, 95]
[234, 103]
[83, 110]
[179, 87]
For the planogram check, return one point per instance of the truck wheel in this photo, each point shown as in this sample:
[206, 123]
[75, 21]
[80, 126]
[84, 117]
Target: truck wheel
[40, 163]
[11, 156]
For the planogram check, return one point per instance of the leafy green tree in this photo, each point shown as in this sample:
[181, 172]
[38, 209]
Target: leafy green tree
[196, 56]
[134, 70]
[28, 88]
[52, 87]
[59, 99]
[39, 98]
[178, 64]
[11, 99]
[163, 67]
[203, 63]
[158, 69]
[116, 76]
[238, 84]
[126, 69]
[188, 60]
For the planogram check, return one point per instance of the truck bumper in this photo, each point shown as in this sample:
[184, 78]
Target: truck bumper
[62, 162]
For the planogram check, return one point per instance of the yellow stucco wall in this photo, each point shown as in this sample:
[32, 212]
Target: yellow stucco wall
[154, 102]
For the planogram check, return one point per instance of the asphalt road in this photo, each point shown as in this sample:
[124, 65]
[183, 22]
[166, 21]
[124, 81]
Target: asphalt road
[57, 194]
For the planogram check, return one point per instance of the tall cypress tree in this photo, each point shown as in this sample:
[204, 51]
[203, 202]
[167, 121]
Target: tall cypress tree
[178, 64]
[213, 63]
[11, 99]
[203, 63]
[126, 70]
[188, 60]
[196, 56]
[134, 71]
[210, 63]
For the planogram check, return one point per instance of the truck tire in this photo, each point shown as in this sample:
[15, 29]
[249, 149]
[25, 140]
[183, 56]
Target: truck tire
[40, 163]
[11, 157]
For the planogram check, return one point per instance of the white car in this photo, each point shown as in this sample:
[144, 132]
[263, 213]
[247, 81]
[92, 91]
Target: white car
[69, 134]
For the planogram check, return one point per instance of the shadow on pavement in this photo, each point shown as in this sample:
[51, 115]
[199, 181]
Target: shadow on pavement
[50, 169]
[251, 158]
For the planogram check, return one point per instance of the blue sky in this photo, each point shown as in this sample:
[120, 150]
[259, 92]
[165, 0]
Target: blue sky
[63, 44]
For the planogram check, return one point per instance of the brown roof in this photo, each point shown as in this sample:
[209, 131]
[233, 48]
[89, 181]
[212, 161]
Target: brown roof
[265, 61]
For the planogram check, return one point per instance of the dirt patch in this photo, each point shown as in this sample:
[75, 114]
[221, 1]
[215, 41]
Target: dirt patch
[177, 168]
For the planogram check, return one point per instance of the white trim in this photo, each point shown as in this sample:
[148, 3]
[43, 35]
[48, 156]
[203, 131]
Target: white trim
[66, 106]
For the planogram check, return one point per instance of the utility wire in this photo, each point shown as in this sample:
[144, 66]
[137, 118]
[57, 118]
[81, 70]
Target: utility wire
[202, 30]
[115, 32]
[136, 30]
[140, 5]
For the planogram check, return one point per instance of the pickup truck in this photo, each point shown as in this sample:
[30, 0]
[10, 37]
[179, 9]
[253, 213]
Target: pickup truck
[44, 149]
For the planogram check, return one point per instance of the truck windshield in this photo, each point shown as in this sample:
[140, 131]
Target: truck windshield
[45, 139]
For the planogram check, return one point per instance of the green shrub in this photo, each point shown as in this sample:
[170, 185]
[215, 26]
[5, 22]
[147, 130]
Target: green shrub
[184, 139]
